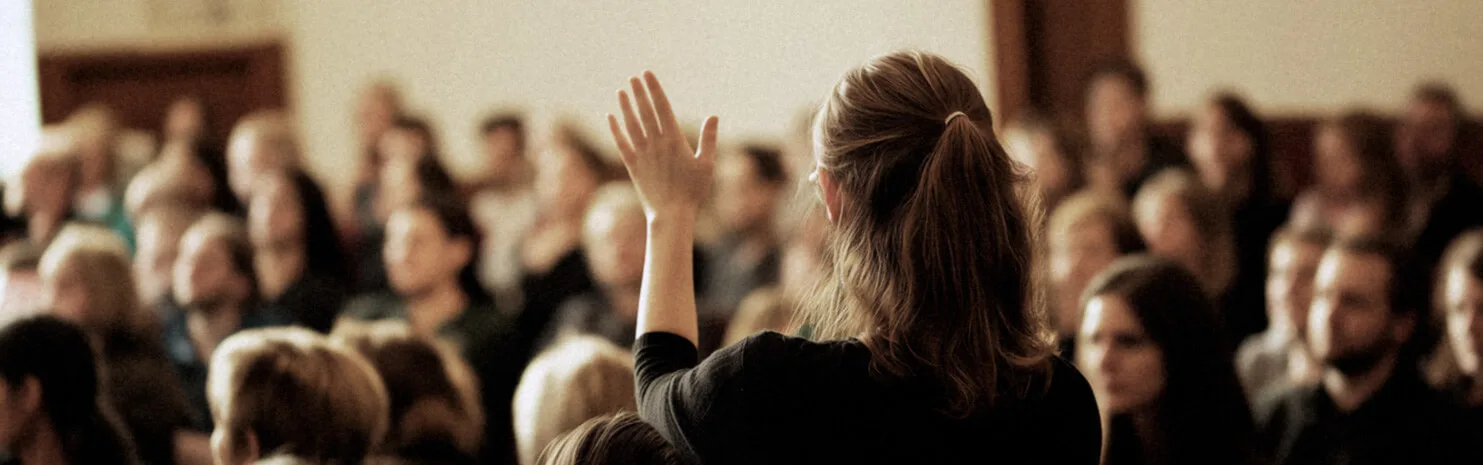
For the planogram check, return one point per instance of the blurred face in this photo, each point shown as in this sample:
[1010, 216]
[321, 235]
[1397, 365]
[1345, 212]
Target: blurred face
[1170, 232]
[402, 144]
[248, 160]
[1115, 113]
[1218, 149]
[1290, 272]
[1336, 162]
[1463, 301]
[399, 184]
[1351, 327]
[205, 275]
[374, 114]
[1075, 259]
[185, 120]
[154, 259]
[615, 247]
[744, 201]
[1124, 366]
[275, 224]
[420, 255]
[1426, 137]
[502, 150]
[1039, 151]
[563, 182]
[66, 293]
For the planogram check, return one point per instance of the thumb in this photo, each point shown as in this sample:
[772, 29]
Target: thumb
[707, 150]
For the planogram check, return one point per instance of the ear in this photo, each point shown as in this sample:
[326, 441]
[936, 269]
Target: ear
[833, 202]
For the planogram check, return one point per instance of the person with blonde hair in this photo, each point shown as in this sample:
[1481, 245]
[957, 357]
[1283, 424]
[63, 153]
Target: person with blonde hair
[579, 378]
[617, 439]
[765, 309]
[613, 243]
[434, 399]
[42, 193]
[1085, 233]
[933, 343]
[262, 142]
[291, 391]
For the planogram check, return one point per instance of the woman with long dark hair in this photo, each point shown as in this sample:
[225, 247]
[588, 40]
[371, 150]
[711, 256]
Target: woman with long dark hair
[300, 266]
[938, 350]
[1151, 346]
[51, 407]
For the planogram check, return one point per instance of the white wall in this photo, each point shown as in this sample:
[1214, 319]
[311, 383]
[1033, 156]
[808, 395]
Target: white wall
[63, 25]
[755, 64]
[1308, 56]
[20, 107]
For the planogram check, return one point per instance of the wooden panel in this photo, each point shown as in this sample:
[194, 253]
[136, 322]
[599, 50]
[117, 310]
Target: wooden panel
[1044, 49]
[1011, 56]
[140, 86]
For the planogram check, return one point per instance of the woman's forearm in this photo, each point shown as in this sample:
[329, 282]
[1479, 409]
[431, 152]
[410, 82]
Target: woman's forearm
[667, 299]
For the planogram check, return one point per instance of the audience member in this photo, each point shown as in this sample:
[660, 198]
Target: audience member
[98, 195]
[927, 220]
[299, 265]
[261, 143]
[764, 309]
[617, 439]
[1150, 345]
[749, 188]
[1359, 187]
[430, 264]
[379, 106]
[42, 193]
[504, 206]
[215, 286]
[1184, 222]
[580, 378]
[1050, 152]
[402, 183]
[1277, 358]
[187, 120]
[1370, 406]
[338, 402]
[1123, 154]
[158, 234]
[54, 410]
[20, 284]
[180, 177]
[1086, 233]
[86, 280]
[435, 412]
[613, 240]
[1444, 201]
[1454, 366]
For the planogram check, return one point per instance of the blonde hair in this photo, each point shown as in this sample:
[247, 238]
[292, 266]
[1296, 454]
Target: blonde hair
[1088, 205]
[932, 255]
[578, 378]
[1211, 220]
[434, 396]
[101, 259]
[338, 405]
[763, 310]
[617, 439]
[611, 203]
[273, 129]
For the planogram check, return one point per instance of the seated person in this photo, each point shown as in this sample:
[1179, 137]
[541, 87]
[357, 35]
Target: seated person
[581, 377]
[618, 439]
[613, 238]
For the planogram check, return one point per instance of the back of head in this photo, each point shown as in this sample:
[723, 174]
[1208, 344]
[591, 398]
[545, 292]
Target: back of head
[579, 378]
[931, 234]
[59, 357]
[620, 439]
[1202, 406]
[101, 260]
[433, 396]
[338, 403]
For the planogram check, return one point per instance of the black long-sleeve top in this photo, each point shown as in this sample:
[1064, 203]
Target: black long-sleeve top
[780, 400]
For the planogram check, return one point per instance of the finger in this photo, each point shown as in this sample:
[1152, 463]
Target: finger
[646, 108]
[635, 133]
[707, 151]
[664, 112]
[625, 150]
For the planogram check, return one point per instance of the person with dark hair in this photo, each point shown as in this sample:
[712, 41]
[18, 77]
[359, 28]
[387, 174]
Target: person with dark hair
[933, 346]
[1150, 344]
[1444, 201]
[1371, 405]
[1454, 365]
[1277, 358]
[1085, 234]
[158, 234]
[430, 261]
[52, 408]
[86, 280]
[1049, 150]
[749, 188]
[1123, 153]
[403, 181]
[504, 205]
[613, 242]
[1359, 187]
[216, 288]
[617, 439]
[300, 267]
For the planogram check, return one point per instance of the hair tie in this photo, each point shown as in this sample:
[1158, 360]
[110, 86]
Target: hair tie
[950, 117]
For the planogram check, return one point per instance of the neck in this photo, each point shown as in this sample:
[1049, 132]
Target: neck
[44, 446]
[208, 326]
[1349, 392]
[429, 311]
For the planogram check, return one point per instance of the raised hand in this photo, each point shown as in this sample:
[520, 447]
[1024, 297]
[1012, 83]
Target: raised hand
[671, 177]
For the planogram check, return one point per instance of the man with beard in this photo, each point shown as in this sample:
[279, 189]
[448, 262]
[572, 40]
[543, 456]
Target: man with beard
[1371, 405]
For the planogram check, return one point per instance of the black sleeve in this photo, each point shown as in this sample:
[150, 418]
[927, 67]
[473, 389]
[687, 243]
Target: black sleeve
[698, 408]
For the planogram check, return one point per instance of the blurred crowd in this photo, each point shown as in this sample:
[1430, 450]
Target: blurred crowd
[1218, 320]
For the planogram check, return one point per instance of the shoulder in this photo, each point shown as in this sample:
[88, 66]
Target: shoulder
[373, 306]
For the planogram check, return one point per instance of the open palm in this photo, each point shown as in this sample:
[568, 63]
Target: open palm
[669, 175]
